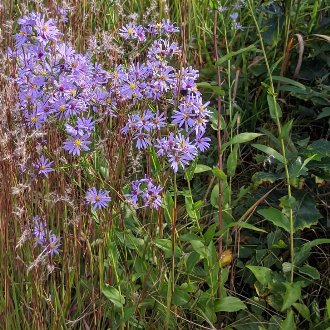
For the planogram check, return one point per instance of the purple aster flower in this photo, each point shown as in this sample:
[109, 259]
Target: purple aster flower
[43, 165]
[234, 16]
[202, 143]
[39, 231]
[97, 198]
[46, 29]
[132, 31]
[146, 192]
[75, 144]
[52, 244]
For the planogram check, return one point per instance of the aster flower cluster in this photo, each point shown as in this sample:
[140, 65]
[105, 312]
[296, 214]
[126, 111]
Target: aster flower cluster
[57, 84]
[161, 104]
[145, 193]
[157, 80]
[43, 237]
[236, 6]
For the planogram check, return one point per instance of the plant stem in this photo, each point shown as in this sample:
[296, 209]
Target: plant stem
[281, 139]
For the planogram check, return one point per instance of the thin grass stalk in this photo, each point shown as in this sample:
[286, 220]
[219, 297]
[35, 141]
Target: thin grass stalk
[220, 165]
[282, 142]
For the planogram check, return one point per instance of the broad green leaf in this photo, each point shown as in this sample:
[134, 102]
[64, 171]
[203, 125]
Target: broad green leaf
[199, 247]
[202, 168]
[276, 217]
[302, 310]
[289, 323]
[289, 81]
[229, 304]
[274, 108]
[227, 57]
[270, 152]
[292, 294]
[306, 213]
[232, 161]
[310, 271]
[262, 274]
[166, 246]
[260, 178]
[298, 168]
[114, 296]
[319, 147]
[180, 297]
[241, 138]
[190, 207]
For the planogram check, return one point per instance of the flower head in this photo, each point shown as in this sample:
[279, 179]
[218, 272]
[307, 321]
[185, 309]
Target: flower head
[99, 199]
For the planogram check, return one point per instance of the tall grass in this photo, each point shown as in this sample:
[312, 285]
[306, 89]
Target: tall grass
[207, 258]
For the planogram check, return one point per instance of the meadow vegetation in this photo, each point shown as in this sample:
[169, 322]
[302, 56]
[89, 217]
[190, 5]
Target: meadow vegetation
[164, 164]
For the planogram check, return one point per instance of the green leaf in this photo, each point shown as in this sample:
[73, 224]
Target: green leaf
[199, 247]
[276, 217]
[168, 206]
[190, 171]
[274, 108]
[310, 271]
[241, 138]
[302, 310]
[202, 168]
[270, 152]
[219, 173]
[227, 57]
[232, 161]
[190, 207]
[215, 196]
[306, 213]
[260, 178]
[320, 147]
[180, 297]
[166, 246]
[325, 113]
[246, 225]
[213, 87]
[292, 294]
[286, 129]
[262, 274]
[289, 81]
[229, 304]
[154, 159]
[114, 296]
[288, 323]
[303, 252]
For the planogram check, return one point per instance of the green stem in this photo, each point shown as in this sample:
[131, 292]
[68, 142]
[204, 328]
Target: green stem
[282, 142]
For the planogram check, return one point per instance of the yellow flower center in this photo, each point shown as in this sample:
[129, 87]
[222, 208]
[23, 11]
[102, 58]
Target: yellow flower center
[77, 142]
[44, 28]
[21, 33]
[34, 86]
[132, 85]
[109, 100]
[73, 92]
[62, 108]
[98, 198]
[34, 119]
[42, 167]
[130, 31]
